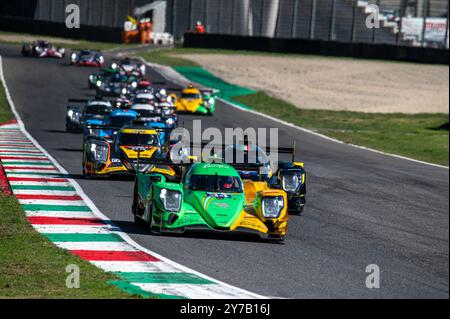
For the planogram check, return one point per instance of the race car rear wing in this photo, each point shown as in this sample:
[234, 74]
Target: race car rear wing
[117, 128]
[203, 91]
[280, 150]
[70, 100]
[85, 49]
[99, 98]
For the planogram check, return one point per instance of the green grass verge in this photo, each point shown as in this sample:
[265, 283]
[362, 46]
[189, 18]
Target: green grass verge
[80, 44]
[5, 110]
[420, 136]
[31, 266]
[166, 57]
[172, 56]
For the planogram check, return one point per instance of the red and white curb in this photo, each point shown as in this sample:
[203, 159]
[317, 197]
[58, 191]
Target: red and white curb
[58, 208]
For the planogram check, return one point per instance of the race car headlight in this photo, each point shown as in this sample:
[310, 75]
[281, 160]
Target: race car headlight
[74, 116]
[99, 151]
[114, 66]
[101, 59]
[291, 182]
[99, 83]
[272, 206]
[124, 91]
[170, 121]
[171, 200]
[134, 85]
[74, 57]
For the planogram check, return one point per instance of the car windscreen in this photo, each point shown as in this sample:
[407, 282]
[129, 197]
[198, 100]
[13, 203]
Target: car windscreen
[97, 110]
[120, 121]
[215, 184]
[190, 96]
[138, 139]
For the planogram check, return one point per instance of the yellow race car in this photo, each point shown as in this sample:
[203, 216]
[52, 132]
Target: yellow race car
[102, 157]
[193, 100]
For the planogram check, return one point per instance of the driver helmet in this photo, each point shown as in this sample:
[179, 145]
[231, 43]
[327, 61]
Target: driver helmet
[228, 183]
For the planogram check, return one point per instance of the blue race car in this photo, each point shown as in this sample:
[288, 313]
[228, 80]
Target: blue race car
[94, 112]
[108, 129]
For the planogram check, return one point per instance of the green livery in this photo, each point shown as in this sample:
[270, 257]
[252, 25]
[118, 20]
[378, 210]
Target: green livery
[206, 197]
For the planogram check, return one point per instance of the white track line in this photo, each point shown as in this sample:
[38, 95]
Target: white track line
[135, 266]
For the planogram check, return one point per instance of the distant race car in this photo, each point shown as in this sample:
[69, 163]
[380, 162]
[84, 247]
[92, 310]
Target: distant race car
[151, 118]
[129, 67]
[192, 100]
[108, 127]
[42, 49]
[103, 157]
[96, 79]
[94, 112]
[116, 85]
[87, 58]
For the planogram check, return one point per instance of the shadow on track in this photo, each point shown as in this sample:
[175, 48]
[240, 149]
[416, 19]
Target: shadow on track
[131, 228]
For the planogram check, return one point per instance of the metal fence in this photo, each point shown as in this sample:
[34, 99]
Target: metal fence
[402, 22]
[108, 13]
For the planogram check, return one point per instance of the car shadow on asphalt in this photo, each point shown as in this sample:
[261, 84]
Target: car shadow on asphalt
[132, 229]
[70, 150]
[57, 131]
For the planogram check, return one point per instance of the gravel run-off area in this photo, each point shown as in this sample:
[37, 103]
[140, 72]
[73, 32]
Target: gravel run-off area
[337, 83]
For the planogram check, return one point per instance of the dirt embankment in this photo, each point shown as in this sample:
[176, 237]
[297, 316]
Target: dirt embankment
[337, 84]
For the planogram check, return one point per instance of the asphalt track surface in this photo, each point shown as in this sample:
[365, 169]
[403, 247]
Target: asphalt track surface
[363, 208]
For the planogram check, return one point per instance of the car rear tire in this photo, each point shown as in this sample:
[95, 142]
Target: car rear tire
[137, 211]
[153, 229]
[298, 212]
[86, 174]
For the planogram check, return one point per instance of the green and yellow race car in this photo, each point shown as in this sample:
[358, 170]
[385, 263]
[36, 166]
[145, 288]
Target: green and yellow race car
[193, 100]
[207, 197]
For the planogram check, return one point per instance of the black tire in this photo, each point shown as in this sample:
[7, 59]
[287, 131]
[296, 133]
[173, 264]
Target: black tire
[137, 211]
[152, 229]
[298, 212]
[85, 173]
[26, 50]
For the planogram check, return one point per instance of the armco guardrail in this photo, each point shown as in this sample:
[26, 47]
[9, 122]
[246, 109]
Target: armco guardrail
[329, 48]
[92, 33]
